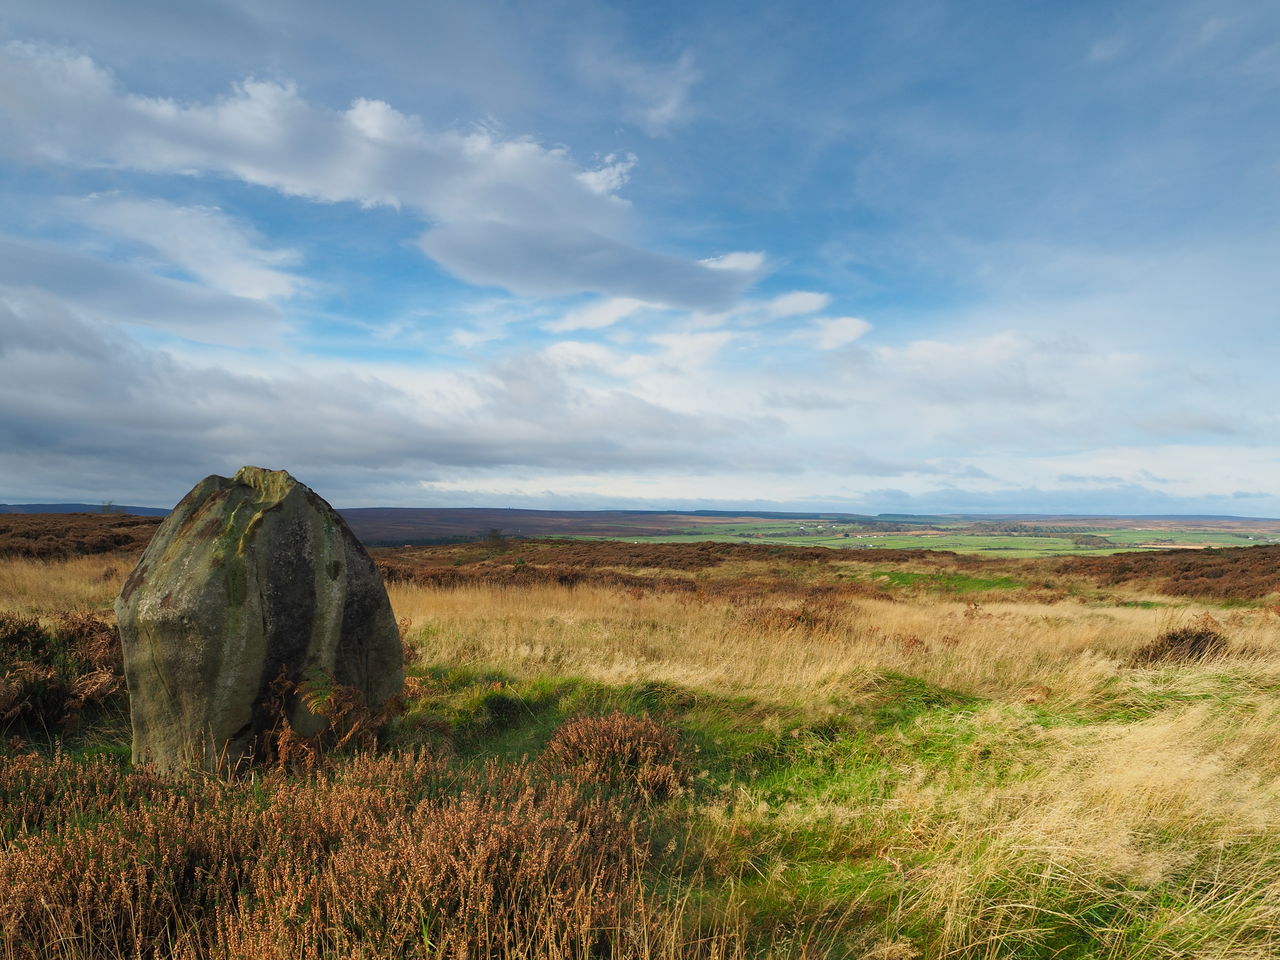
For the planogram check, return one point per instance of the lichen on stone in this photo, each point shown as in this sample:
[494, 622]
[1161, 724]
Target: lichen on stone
[272, 486]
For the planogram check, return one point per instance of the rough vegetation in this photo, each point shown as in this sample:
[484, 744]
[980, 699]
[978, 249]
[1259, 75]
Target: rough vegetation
[1241, 572]
[398, 856]
[781, 757]
[61, 535]
[50, 677]
[1195, 643]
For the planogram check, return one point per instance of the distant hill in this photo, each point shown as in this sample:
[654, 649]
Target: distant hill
[393, 526]
[421, 526]
[82, 508]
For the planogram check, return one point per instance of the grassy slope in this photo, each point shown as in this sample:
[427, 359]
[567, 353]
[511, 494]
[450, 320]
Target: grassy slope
[960, 769]
[918, 776]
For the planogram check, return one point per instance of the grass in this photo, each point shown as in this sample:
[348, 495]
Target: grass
[946, 582]
[1160, 538]
[958, 769]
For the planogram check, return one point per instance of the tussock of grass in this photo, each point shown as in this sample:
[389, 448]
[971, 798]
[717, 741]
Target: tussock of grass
[1184, 645]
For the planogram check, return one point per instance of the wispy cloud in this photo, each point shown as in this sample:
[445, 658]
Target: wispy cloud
[129, 294]
[504, 212]
[203, 242]
[832, 332]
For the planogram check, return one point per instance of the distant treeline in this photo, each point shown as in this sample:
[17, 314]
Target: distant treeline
[1012, 528]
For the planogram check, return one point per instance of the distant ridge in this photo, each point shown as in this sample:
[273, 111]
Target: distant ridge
[82, 508]
[400, 526]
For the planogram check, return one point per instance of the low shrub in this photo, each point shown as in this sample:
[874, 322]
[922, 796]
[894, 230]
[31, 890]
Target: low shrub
[624, 753]
[1184, 645]
[405, 856]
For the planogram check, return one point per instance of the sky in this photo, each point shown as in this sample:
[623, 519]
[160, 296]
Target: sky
[965, 256]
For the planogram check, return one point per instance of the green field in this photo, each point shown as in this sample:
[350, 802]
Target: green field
[845, 536]
[1208, 538]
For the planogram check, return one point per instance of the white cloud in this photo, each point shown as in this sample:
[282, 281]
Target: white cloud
[832, 332]
[677, 413]
[203, 241]
[744, 261]
[795, 304]
[504, 212]
[1179, 470]
[538, 260]
[594, 316]
[667, 92]
[469, 338]
[751, 313]
[124, 412]
[575, 355]
[691, 352]
[612, 176]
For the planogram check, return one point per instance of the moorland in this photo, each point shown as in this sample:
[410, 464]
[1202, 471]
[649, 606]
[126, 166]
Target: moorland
[44, 532]
[988, 535]
[661, 750]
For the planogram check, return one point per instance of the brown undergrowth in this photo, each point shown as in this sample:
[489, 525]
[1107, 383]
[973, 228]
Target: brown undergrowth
[1195, 643]
[49, 677]
[60, 535]
[621, 752]
[396, 856]
[1244, 573]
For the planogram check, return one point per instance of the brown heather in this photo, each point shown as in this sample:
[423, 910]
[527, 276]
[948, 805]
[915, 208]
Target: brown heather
[621, 752]
[396, 856]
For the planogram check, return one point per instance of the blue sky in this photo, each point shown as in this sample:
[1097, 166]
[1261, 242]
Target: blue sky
[882, 257]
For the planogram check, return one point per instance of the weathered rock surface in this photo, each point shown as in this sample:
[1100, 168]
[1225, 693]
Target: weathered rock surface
[246, 578]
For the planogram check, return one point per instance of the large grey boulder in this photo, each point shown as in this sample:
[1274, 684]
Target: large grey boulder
[247, 578]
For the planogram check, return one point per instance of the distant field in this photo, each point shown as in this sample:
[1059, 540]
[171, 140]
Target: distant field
[958, 541]
[1167, 538]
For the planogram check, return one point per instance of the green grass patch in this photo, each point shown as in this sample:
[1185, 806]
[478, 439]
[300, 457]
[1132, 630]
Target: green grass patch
[944, 582]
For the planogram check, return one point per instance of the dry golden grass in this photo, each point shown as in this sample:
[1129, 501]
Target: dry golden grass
[788, 649]
[41, 588]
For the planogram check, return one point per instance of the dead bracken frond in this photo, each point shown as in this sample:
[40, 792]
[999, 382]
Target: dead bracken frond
[50, 676]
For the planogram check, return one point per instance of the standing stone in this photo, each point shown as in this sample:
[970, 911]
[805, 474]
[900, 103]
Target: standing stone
[247, 578]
